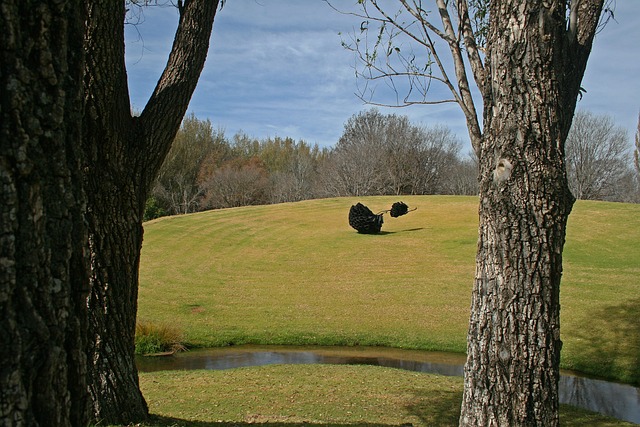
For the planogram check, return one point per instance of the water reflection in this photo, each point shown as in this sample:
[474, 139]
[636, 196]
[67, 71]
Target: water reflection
[616, 400]
[621, 401]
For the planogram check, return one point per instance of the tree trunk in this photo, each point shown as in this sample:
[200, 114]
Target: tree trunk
[115, 242]
[43, 239]
[534, 71]
[124, 154]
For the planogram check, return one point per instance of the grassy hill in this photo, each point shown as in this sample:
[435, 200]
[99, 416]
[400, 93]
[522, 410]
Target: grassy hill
[296, 273]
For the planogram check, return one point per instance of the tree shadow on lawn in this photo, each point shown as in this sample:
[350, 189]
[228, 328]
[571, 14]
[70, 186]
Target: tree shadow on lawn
[436, 408]
[433, 408]
[610, 342]
[158, 420]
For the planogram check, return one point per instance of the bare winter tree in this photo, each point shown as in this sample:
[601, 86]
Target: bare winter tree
[239, 182]
[527, 59]
[597, 156]
[357, 162]
[386, 154]
[636, 152]
[294, 181]
[634, 194]
[436, 158]
[462, 177]
[176, 186]
[124, 154]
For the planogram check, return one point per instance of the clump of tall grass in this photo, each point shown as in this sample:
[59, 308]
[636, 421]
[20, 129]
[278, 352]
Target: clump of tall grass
[153, 338]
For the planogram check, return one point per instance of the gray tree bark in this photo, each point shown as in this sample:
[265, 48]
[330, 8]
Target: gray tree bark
[535, 63]
[43, 237]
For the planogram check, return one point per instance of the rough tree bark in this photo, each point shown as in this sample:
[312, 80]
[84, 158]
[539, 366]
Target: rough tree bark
[43, 237]
[535, 63]
[529, 75]
[124, 154]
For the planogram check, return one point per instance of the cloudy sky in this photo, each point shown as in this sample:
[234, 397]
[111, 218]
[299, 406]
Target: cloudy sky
[277, 68]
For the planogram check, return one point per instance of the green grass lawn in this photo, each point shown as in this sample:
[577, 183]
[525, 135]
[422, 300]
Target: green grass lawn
[600, 291]
[299, 395]
[296, 273]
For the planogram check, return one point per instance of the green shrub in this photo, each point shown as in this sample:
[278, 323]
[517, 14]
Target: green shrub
[153, 210]
[152, 338]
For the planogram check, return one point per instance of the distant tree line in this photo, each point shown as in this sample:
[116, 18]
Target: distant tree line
[377, 154]
[600, 160]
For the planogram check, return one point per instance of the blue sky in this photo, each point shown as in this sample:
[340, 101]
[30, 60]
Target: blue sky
[276, 68]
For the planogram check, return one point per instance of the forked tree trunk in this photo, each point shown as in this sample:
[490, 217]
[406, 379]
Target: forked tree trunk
[43, 237]
[124, 154]
[534, 71]
[115, 230]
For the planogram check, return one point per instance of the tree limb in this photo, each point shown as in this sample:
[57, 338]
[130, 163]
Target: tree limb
[469, 39]
[466, 102]
[420, 30]
[584, 20]
[161, 118]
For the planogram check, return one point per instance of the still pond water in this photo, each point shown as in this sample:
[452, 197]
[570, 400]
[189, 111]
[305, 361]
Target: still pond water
[616, 400]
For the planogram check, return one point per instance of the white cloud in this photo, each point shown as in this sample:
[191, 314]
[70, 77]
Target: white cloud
[277, 69]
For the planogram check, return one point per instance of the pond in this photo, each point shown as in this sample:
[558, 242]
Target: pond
[616, 400]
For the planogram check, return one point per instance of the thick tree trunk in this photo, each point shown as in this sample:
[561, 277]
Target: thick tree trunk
[512, 371]
[114, 221]
[534, 71]
[124, 154]
[116, 239]
[43, 239]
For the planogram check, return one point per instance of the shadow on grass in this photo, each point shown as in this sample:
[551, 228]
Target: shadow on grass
[432, 409]
[574, 417]
[160, 421]
[441, 408]
[384, 233]
[610, 343]
[411, 229]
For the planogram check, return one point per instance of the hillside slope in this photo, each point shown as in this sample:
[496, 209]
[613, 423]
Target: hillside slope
[296, 273]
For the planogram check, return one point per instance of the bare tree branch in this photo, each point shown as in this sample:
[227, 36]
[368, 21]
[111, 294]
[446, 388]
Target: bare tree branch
[469, 38]
[389, 56]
